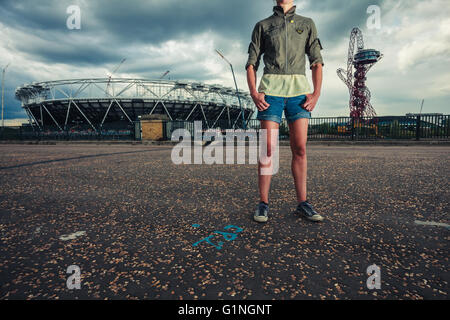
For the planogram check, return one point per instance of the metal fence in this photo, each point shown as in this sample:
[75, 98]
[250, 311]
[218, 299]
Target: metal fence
[424, 127]
[76, 133]
[347, 128]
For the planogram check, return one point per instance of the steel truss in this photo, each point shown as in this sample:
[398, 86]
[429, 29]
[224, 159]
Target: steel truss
[95, 98]
[359, 104]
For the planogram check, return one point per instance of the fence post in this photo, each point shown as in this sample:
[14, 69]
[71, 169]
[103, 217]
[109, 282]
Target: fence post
[418, 127]
[353, 128]
[447, 125]
[164, 131]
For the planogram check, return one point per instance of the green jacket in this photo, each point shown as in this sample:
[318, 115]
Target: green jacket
[284, 39]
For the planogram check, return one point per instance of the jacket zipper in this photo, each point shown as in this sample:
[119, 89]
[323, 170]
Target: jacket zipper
[285, 28]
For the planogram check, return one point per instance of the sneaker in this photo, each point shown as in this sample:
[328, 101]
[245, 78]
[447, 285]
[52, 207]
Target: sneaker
[308, 212]
[262, 212]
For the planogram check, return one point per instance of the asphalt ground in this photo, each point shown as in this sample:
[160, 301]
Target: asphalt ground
[129, 218]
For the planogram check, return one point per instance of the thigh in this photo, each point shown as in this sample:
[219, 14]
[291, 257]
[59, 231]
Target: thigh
[274, 111]
[269, 135]
[298, 133]
[294, 109]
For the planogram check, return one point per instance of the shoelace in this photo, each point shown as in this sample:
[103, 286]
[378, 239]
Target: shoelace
[309, 206]
[262, 208]
[306, 204]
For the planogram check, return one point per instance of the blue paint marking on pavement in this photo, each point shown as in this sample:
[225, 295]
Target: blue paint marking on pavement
[228, 236]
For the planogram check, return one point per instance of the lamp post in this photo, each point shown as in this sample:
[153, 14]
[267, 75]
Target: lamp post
[3, 93]
[237, 90]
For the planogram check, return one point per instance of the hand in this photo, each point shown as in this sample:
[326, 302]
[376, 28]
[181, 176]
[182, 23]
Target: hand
[311, 101]
[260, 102]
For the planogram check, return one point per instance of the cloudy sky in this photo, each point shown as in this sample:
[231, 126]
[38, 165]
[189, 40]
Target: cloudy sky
[181, 35]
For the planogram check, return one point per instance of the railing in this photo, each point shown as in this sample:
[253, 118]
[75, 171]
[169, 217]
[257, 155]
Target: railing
[76, 133]
[347, 128]
[428, 127]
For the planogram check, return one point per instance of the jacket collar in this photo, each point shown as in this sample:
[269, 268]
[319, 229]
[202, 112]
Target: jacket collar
[278, 11]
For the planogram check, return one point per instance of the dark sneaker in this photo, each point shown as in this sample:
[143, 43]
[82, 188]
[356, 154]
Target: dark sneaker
[262, 212]
[305, 209]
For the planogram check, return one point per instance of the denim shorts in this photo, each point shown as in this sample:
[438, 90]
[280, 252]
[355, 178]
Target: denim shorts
[292, 106]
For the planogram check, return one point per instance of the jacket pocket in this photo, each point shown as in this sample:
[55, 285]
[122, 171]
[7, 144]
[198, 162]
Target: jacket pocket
[273, 32]
[272, 39]
[274, 48]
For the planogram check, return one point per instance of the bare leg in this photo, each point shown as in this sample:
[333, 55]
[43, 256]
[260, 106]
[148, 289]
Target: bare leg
[264, 180]
[298, 134]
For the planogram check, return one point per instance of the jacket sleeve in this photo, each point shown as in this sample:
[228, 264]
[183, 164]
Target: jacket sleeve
[313, 47]
[255, 48]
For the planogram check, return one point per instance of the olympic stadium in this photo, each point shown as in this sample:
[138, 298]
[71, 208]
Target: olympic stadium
[97, 104]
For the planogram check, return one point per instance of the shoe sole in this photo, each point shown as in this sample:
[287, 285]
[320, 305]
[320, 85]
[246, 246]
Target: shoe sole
[317, 219]
[260, 219]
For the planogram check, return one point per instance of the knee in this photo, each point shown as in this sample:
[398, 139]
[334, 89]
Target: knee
[299, 151]
[266, 158]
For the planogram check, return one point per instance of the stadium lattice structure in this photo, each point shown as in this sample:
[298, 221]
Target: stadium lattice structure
[99, 102]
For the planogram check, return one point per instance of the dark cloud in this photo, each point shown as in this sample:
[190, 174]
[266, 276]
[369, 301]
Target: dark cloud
[77, 54]
[14, 78]
[117, 24]
[30, 14]
[335, 19]
[110, 27]
[157, 21]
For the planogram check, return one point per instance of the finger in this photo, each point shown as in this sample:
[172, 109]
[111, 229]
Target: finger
[263, 100]
[263, 103]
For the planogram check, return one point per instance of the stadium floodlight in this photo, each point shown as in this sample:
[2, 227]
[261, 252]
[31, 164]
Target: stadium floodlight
[110, 75]
[164, 74]
[237, 90]
[421, 106]
[3, 92]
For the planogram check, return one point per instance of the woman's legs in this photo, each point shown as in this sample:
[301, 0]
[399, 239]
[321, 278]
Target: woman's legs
[298, 134]
[264, 180]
